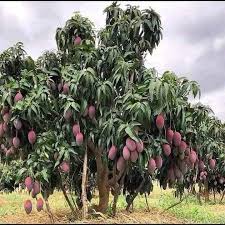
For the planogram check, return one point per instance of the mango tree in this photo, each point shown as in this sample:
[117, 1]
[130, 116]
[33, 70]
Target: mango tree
[91, 114]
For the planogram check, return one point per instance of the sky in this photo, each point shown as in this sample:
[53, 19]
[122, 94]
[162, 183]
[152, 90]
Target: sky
[193, 43]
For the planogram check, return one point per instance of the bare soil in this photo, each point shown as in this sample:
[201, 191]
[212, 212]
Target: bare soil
[64, 216]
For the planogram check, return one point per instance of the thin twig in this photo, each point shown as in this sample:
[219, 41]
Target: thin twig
[66, 197]
[176, 204]
[84, 191]
[49, 212]
[146, 200]
[222, 197]
[95, 213]
[129, 217]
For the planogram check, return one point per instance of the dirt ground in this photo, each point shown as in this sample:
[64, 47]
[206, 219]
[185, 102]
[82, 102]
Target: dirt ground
[62, 216]
[12, 211]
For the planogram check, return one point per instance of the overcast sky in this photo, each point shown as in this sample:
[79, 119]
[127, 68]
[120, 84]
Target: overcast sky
[193, 42]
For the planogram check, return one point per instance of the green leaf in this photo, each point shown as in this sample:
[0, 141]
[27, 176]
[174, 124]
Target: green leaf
[21, 172]
[34, 109]
[56, 164]
[131, 134]
[45, 174]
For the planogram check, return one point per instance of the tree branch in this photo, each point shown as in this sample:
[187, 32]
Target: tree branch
[176, 203]
[91, 146]
[146, 200]
[136, 193]
[84, 183]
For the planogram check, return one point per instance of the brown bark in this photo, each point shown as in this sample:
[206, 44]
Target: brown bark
[115, 199]
[91, 146]
[117, 188]
[115, 179]
[199, 193]
[222, 197]
[206, 184]
[214, 195]
[66, 197]
[116, 191]
[193, 191]
[84, 192]
[74, 203]
[103, 188]
[49, 211]
[102, 183]
[146, 201]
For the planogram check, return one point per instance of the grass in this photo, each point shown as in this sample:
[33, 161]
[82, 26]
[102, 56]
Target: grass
[13, 203]
[189, 210]
[10, 204]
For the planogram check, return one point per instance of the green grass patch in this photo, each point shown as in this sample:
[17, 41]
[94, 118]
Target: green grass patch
[189, 210]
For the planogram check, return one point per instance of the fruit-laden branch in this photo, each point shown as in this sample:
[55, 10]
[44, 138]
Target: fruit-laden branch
[115, 179]
[135, 195]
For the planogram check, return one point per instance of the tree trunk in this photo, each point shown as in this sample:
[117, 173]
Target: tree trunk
[206, 184]
[103, 188]
[84, 192]
[115, 199]
[102, 178]
[102, 183]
